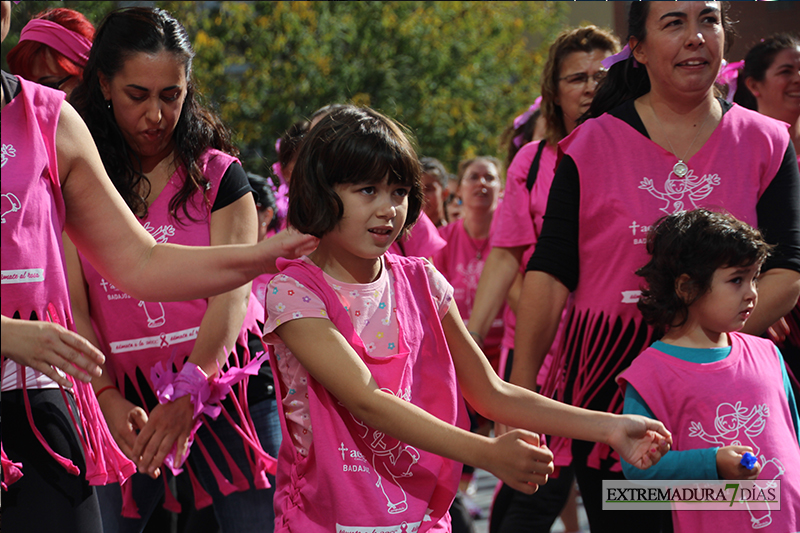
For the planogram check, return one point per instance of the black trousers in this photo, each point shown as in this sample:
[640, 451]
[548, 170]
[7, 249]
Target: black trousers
[514, 511]
[590, 482]
[46, 498]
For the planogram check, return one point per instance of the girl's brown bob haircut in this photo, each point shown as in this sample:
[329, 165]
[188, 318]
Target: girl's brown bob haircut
[350, 145]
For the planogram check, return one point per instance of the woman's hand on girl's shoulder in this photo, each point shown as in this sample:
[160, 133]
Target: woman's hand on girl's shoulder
[639, 440]
[288, 244]
[519, 460]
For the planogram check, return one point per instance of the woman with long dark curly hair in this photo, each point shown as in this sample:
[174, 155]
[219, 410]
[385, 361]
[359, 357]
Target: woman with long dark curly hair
[173, 162]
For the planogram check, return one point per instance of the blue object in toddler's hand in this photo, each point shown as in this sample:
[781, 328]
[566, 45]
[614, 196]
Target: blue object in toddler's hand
[749, 460]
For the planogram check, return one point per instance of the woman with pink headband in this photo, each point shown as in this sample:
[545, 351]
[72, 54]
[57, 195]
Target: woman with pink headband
[56, 446]
[53, 49]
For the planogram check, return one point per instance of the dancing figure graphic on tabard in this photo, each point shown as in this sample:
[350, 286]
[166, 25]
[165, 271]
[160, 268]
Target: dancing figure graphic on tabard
[392, 461]
[676, 188]
[736, 426]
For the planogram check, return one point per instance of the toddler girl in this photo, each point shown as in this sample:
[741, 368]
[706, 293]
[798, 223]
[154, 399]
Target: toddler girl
[722, 393]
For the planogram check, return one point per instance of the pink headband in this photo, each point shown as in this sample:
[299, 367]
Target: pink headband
[74, 46]
[524, 118]
[728, 75]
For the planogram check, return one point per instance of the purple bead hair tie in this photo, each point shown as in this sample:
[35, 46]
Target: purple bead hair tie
[622, 55]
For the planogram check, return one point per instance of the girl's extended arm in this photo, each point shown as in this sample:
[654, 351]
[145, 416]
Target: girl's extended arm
[699, 463]
[173, 421]
[499, 271]
[641, 441]
[105, 230]
[515, 458]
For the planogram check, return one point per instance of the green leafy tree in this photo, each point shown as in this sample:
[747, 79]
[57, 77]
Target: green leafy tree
[456, 73]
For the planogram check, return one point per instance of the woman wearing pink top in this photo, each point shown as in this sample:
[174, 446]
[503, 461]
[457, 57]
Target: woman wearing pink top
[55, 447]
[462, 260]
[172, 161]
[461, 263]
[569, 81]
[667, 144]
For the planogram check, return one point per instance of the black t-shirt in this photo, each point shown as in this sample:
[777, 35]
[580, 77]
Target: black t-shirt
[234, 185]
[11, 86]
[557, 248]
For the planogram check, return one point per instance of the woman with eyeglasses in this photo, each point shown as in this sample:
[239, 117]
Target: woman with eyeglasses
[53, 49]
[660, 141]
[569, 81]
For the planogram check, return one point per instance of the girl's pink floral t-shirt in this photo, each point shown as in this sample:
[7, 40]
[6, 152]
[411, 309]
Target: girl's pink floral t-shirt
[372, 310]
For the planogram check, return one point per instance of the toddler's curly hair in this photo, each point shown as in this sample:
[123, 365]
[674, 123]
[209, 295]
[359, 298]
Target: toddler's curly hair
[695, 243]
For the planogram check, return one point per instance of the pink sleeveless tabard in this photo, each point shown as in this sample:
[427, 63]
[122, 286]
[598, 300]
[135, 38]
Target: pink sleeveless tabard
[136, 335]
[34, 282]
[357, 479]
[734, 408]
[730, 172]
[422, 241]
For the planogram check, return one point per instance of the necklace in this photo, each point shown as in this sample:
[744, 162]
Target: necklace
[680, 169]
[479, 245]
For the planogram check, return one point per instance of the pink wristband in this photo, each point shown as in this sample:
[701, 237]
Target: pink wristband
[190, 381]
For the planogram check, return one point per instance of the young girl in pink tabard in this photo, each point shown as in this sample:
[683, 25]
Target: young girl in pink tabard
[720, 392]
[371, 356]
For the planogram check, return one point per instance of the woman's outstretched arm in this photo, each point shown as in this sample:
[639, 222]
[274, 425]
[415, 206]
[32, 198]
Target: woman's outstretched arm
[105, 230]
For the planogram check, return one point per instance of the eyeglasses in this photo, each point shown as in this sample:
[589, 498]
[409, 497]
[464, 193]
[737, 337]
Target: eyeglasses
[582, 78]
[56, 84]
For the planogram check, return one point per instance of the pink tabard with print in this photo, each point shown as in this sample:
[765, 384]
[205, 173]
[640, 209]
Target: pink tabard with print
[34, 272]
[355, 478]
[734, 408]
[730, 172]
[135, 335]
